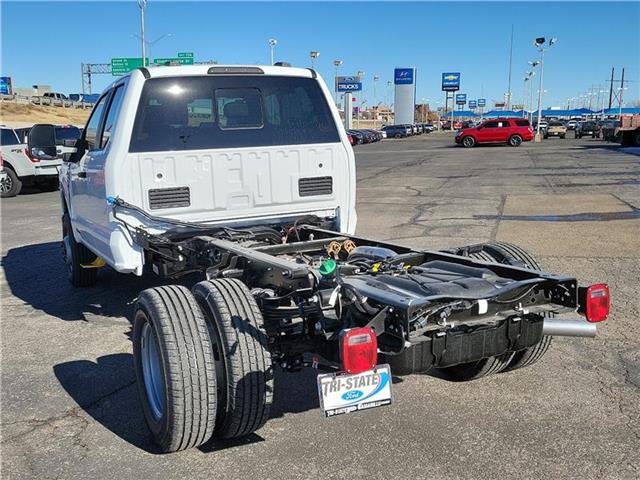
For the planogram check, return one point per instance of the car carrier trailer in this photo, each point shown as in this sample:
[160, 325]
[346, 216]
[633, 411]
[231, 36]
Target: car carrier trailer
[236, 184]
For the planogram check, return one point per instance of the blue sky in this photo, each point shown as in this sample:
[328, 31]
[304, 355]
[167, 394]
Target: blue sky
[46, 42]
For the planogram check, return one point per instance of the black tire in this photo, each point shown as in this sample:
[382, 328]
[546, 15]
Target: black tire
[478, 369]
[241, 349]
[398, 135]
[514, 255]
[546, 136]
[169, 320]
[10, 186]
[562, 136]
[469, 142]
[515, 140]
[75, 255]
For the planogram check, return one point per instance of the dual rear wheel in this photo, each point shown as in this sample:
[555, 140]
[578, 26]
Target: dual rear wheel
[202, 363]
[509, 254]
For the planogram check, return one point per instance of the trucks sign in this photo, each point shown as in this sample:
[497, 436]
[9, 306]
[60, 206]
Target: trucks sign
[461, 98]
[403, 76]
[482, 102]
[450, 81]
[472, 104]
[348, 84]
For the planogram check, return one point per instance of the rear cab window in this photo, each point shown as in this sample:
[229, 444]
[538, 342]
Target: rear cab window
[522, 123]
[67, 133]
[196, 113]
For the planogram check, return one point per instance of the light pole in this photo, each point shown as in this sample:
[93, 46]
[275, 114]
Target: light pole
[375, 81]
[539, 44]
[272, 45]
[313, 54]
[533, 64]
[361, 74]
[337, 64]
[152, 43]
[142, 4]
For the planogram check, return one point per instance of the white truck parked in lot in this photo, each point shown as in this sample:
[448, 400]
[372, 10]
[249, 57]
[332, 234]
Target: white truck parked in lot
[244, 176]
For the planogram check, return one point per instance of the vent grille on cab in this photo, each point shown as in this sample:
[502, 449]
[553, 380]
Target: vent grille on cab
[312, 186]
[169, 198]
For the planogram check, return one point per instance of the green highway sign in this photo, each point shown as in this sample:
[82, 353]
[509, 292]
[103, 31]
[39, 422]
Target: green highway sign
[123, 65]
[185, 54]
[179, 60]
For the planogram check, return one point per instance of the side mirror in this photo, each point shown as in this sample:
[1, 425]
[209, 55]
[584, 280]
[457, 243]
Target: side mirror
[42, 142]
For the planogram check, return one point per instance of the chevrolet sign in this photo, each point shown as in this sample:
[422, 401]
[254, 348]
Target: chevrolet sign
[451, 81]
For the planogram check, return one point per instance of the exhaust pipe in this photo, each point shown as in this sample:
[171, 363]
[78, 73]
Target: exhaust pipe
[568, 328]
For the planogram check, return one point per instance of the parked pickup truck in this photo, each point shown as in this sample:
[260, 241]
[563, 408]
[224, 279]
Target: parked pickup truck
[243, 176]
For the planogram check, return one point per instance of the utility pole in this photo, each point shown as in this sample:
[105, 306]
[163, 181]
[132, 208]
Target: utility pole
[620, 96]
[611, 88]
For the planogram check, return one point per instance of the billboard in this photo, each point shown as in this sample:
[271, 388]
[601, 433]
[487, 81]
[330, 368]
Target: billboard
[5, 86]
[482, 102]
[403, 76]
[405, 94]
[451, 81]
[472, 104]
[348, 84]
[461, 98]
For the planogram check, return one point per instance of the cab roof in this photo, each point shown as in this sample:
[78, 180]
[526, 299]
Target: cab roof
[194, 70]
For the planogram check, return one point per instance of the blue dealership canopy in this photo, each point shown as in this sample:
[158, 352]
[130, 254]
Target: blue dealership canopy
[502, 113]
[616, 111]
[459, 114]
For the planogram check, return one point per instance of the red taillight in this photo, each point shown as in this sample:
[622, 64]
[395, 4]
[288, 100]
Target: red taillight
[597, 302]
[33, 159]
[358, 349]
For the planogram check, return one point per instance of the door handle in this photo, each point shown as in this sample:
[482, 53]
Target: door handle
[82, 174]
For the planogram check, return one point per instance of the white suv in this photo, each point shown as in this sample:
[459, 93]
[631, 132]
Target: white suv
[21, 168]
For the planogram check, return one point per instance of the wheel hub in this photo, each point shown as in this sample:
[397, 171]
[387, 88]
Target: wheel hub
[5, 183]
[152, 371]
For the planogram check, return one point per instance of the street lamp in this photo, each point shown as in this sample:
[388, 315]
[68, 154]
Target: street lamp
[539, 44]
[337, 64]
[313, 54]
[272, 45]
[151, 43]
[375, 80]
[142, 4]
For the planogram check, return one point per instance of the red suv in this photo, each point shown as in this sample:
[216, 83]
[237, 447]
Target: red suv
[513, 131]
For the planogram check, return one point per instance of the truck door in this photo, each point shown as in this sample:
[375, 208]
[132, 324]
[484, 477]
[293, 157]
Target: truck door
[90, 211]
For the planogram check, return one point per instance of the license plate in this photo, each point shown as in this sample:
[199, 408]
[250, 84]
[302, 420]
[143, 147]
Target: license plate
[344, 393]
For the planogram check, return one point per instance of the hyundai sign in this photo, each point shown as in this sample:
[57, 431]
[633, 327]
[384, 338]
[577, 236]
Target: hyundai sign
[461, 98]
[405, 95]
[403, 76]
[482, 102]
[348, 84]
[450, 81]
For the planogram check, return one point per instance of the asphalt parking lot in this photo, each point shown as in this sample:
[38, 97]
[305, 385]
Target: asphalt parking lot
[70, 407]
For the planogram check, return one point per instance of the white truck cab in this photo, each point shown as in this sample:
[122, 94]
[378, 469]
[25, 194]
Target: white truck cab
[232, 145]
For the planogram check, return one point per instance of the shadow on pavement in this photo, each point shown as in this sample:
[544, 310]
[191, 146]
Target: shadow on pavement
[36, 274]
[107, 391]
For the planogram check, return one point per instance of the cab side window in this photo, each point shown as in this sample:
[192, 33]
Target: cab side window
[491, 125]
[111, 116]
[91, 130]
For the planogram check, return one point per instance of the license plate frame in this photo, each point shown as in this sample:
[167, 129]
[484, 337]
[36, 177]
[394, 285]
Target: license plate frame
[342, 393]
